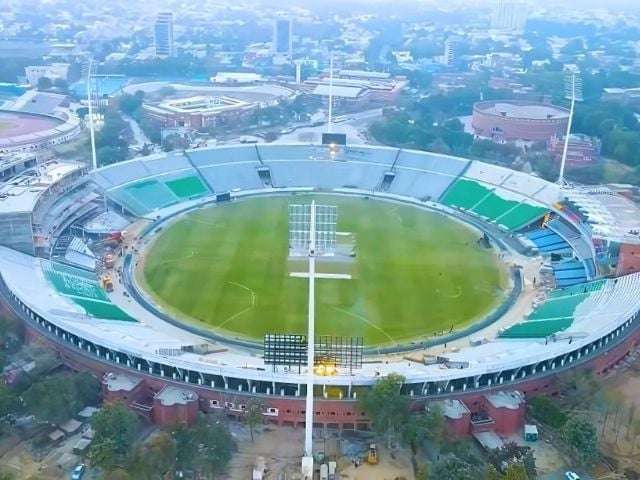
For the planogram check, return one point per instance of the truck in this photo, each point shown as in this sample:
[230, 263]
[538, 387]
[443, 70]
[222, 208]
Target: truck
[259, 469]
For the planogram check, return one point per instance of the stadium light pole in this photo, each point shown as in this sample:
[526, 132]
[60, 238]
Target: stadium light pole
[565, 149]
[94, 159]
[308, 416]
[330, 122]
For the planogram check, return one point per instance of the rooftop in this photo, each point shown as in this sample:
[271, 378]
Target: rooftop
[170, 395]
[511, 400]
[612, 216]
[453, 409]
[117, 382]
[199, 104]
[533, 111]
[20, 194]
[337, 91]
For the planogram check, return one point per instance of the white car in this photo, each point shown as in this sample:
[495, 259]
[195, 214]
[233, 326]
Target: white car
[571, 476]
[78, 472]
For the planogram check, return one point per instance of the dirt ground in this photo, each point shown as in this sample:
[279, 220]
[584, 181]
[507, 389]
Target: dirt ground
[619, 425]
[55, 465]
[389, 468]
[282, 449]
[548, 459]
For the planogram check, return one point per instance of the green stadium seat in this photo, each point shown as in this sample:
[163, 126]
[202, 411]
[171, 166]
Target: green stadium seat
[537, 329]
[521, 216]
[556, 314]
[151, 194]
[558, 307]
[83, 289]
[187, 187]
[465, 194]
[482, 201]
[493, 206]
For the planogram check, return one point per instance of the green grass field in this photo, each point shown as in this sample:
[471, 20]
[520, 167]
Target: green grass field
[5, 126]
[416, 272]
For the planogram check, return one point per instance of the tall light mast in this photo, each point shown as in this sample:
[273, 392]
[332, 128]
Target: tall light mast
[330, 123]
[94, 159]
[566, 137]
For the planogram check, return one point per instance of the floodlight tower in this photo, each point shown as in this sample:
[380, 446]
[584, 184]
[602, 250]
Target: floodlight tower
[330, 122]
[308, 414]
[565, 149]
[94, 160]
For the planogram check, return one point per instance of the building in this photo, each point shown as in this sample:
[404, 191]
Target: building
[509, 15]
[572, 74]
[282, 37]
[148, 357]
[55, 71]
[24, 131]
[199, 112]
[163, 35]
[450, 46]
[173, 405]
[26, 196]
[510, 120]
[627, 96]
[236, 77]
[499, 412]
[582, 150]
[357, 86]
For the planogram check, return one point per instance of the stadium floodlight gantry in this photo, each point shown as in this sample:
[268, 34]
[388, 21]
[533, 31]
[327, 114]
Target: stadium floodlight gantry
[590, 322]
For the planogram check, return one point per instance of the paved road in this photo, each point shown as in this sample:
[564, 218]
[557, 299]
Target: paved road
[559, 475]
[139, 137]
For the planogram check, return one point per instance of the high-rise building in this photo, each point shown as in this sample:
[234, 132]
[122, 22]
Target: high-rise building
[163, 34]
[282, 39]
[510, 15]
[572, 74]
[450, 47]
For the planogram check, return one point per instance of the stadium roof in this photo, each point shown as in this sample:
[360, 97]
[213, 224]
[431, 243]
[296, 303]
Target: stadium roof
[612, 216]
[42, 103]
[532, 111]
[365, 74]
[21, 193]
[338, 91]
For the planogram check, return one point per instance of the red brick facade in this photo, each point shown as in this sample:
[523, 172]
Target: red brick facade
[509, 128]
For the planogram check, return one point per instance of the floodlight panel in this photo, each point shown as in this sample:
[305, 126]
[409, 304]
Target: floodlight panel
[326, 220]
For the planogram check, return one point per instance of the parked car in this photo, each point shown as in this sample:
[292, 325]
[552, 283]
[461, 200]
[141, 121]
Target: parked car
[571, 476]
[78, 472]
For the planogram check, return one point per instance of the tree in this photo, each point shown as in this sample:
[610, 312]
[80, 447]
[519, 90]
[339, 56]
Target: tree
[516, 471]
[130, 104]
[112, 141]
[491, 473]
[154, 459]
[206, 447]
[546, 411]
[581, 437]
[253, 415]
[8, 401]
[451, 467]
[44, 83]
[115, 429]
[52, 398]
[87, 389]
[428, 425]
[386, 407]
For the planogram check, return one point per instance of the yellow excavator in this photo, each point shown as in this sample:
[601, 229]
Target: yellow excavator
[107, 283]
[372, 456]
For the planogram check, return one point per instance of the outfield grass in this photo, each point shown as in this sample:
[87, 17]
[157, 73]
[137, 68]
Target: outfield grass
[416, 273]
[5, 126]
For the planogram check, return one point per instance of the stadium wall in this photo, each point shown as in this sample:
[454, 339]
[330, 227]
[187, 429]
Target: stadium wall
[332, 413]
[500, 127]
